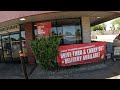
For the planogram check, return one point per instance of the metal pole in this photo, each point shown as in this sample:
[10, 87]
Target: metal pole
[22, 57]
[23, 64]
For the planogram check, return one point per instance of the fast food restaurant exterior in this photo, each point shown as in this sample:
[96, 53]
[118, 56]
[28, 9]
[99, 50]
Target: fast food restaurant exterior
[18, 28]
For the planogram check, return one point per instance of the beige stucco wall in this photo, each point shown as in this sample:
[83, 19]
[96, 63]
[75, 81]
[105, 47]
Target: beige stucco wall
[86, 32]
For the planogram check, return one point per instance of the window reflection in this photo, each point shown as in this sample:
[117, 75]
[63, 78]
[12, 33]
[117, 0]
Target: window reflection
[71, 31]
[0, 41]
[23, 41]
[69, 34]
[22, 35]
[1, 53]
[15, 37]
[68, 29]
[15, 45]
[60, 31]
[54, 31]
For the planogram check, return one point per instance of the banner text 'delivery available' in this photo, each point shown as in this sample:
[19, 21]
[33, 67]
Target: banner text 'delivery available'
[81, 53]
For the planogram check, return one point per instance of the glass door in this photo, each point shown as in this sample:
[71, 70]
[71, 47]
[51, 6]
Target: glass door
[10, 48]
[6, 48]
[15, 46]
[11, 44]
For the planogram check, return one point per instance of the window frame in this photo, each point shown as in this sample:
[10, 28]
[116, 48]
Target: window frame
[55, 20]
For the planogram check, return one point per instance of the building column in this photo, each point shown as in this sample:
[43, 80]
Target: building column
[29, 35]
[86, 32]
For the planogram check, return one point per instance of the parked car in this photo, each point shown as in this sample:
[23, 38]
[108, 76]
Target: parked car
[116, 41]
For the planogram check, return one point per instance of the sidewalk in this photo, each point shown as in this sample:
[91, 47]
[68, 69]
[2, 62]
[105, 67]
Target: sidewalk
[13, 71]
[100, 70]
[91, 71]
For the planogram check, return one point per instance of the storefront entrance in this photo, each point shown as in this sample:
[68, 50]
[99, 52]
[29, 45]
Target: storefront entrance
[10, 47]
[11, 42]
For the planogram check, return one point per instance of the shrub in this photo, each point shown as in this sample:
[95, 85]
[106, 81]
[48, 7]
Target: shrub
[45, 50]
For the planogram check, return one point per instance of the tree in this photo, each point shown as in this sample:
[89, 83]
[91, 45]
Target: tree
[104, 26]
[118, 28]
[99, 27]
[45, 50]
[77, 33]
[116, 21]
[68, 33]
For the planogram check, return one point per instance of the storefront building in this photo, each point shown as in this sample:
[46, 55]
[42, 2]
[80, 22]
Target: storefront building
[72, 26]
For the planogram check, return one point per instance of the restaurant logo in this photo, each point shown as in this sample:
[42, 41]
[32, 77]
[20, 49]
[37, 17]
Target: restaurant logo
[10, 27]
[44, 29]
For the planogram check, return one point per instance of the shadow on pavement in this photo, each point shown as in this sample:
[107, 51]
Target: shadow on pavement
[99, 70]
[14, 71]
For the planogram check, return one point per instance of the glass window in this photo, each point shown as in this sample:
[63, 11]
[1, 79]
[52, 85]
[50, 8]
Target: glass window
[0, 42]
[59, 27]
[54, 29]
[15, 45]
[14, 37]
[78, 34]
[6, 47]
[69, 34]
[35, 30]
[1, 53]
[23, 40]
[22, 35]
[69, 30]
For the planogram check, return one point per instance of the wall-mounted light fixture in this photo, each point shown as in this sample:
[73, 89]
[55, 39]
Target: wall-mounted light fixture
[22, 19]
